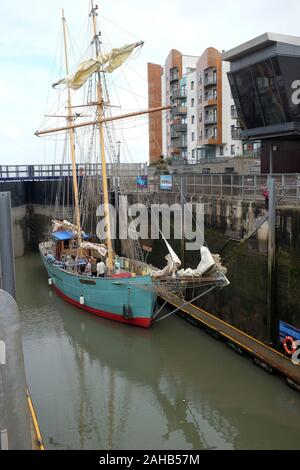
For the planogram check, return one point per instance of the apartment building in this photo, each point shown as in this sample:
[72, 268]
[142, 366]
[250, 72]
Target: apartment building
[203, 122]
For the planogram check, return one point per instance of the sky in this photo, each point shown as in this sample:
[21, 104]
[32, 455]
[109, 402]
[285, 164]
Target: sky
[30, 35]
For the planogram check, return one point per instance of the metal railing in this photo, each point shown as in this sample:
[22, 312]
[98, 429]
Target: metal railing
[210, 80]
[210, 135]
[179, 127]
[178, 110]
[44, 172]
[210, 120]
[245, 187]
[176, 94]
[180, 143]
[174, 77]
[209, 97]
[236, 134]
[242, 187]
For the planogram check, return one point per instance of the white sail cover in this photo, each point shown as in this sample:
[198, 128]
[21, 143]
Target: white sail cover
[101, 249]
[66, 225]
[207, 261]
[173, 255]
[206, 264]
[57, 224]
[105, 62]
[172, 266]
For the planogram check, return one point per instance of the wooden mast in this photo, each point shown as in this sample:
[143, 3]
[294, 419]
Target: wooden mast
[108, 119]
[72, 138]
[110, 253]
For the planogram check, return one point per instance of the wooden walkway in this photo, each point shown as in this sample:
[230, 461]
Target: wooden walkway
[264, 355]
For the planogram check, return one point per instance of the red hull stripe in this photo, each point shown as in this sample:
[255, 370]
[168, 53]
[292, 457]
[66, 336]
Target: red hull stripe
[139, 321]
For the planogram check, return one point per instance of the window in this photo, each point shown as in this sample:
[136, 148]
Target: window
[193, 136]
[260, 92]
[215, 93]
[194, 153]
[192, 102]
[232, 149]
[192, 85]
[193, 119]
[233, 112]
[215, 132]
[222, 151]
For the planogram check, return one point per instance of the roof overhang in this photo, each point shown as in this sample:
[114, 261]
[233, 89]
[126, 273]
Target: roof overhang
[283, 131]
[258, 43]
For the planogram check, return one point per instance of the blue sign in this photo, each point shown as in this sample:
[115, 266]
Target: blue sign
[288, 330]
[166, 182]
[142, 181]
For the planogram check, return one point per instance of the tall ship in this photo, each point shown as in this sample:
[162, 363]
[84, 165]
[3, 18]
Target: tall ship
[82, 268]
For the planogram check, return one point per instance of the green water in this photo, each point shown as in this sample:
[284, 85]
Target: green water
[97, 384]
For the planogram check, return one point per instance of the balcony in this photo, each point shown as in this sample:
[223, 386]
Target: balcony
[209, 100]
[178, 94]
[180, 143]
[175, 135]
[236, 133]
[174, 75]
[210, 80]
[211, 119]
[179, 127]
[209, 96]
[179, 110]
[210, 136]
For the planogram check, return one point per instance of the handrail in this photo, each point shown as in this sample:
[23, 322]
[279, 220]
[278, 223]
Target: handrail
[22, 172]
[35, 423]
[245, 187]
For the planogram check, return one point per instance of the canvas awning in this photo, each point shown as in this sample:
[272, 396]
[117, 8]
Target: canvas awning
[63, 235]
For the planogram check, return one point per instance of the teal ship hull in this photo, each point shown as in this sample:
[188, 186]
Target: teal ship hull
[129, 300]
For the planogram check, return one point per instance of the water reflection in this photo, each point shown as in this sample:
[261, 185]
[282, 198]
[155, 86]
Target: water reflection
[99, 384]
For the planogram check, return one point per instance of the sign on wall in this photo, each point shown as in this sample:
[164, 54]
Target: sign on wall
[166, 182]
[142, 182]
[288, 330]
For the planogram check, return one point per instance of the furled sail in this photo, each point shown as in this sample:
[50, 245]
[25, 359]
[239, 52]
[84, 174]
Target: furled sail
[105, 62]
[101, 249]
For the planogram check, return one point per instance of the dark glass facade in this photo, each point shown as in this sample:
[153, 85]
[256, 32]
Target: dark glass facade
[267, 93]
